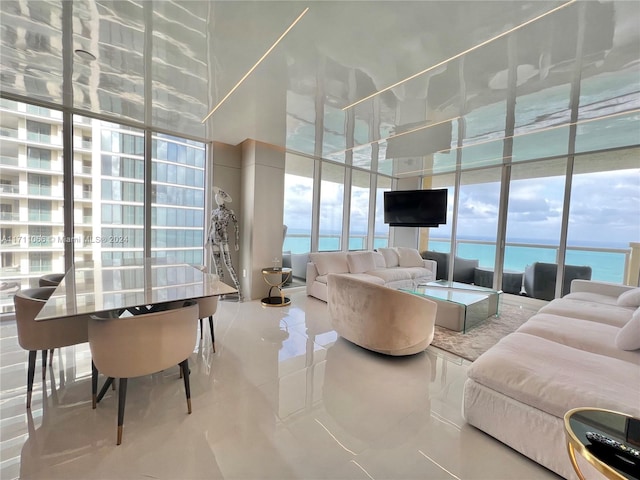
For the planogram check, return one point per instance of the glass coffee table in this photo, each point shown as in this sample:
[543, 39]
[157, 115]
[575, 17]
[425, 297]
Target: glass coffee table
[460, 305]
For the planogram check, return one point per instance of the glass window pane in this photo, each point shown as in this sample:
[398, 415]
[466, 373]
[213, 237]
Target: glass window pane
[602, 218]
[298, 203]
[359, 215]
[478, 216]
[178, 204]
[331, 207]
[98, 210]
[31, 196]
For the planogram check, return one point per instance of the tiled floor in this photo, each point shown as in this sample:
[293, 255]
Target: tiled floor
[281, 398]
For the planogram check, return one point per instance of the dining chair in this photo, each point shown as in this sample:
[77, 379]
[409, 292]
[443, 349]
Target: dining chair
[50, 280]
[207, 308]
[138, 345]
[44, 335]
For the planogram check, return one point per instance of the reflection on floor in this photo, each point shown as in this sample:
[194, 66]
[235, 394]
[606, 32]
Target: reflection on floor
[281, 398]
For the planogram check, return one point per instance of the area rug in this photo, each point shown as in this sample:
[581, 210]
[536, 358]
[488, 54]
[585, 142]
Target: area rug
[483, 336]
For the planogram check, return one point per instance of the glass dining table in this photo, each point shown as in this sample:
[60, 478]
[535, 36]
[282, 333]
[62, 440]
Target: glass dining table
[109, 288]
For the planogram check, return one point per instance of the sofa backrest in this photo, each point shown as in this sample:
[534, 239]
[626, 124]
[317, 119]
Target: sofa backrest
[330, 262]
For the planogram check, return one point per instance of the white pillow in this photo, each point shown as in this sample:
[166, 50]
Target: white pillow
[628, 338]
[630, 298]
[390, 255]
[360, 262]
[410, 257]
[330, 262]
[379, 260]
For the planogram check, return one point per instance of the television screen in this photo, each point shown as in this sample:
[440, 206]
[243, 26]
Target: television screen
[415, 208]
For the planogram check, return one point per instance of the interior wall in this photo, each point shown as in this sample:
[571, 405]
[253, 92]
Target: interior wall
[263, 207]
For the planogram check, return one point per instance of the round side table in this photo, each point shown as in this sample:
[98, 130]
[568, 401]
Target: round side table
[608, 440]
[276, 278]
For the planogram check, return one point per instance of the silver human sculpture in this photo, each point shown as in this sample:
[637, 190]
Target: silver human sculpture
[218, 238]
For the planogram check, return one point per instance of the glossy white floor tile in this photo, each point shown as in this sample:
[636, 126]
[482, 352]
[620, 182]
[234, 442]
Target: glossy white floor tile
[282, 398]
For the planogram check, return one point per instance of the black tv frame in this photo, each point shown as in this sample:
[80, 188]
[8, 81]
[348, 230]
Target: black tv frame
[418, 196]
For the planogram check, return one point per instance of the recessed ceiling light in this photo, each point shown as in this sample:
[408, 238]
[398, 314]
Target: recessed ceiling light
[85, 55]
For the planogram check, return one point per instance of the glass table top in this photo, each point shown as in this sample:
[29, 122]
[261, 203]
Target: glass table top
[460, 297]
[93, 287]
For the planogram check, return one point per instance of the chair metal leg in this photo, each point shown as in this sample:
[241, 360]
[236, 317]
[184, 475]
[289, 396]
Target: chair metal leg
[201, 331]
[44, 364]
[104, 389]
[122, 397]
[51, 356]
[184, 366]
[94, 385]
[213, 336]
[30, 374]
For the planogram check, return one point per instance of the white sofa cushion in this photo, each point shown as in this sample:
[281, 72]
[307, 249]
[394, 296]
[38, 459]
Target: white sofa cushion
[360, 262]
[330, 262]
[420, 272]
[554, 378]
[628, 337]
[390, 255]
[596, 312]
[391, 274]
[592, 297]
[584, 335]
[379, 260]
[630, 298]
[409, 257]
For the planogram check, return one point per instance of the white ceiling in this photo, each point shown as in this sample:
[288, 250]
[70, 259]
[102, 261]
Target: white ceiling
[192, 53]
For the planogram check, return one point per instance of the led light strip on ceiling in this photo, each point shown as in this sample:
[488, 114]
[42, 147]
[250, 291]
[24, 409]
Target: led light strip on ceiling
[455, 57]
[256, 65]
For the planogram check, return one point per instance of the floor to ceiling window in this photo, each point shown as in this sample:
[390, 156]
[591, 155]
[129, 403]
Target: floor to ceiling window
[177, 215]
[331, 207]
[120, 219]
[359, 210]
[108, 195]
[604, 212]
[31, 197]
[298, 203]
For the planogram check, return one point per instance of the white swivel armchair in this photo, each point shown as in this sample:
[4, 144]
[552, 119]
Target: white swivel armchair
[380, 318]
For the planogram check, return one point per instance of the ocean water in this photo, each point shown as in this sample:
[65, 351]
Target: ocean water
[606, 266]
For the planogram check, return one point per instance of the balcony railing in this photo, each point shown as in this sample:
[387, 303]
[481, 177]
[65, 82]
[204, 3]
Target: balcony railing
[300, 242]
[12, 161]
[9, 216]
[9, 104]
[9, 189]
[608, 264]
[8, 132]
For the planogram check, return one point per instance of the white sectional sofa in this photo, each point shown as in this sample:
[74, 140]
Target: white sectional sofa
[582, 350]
[394, 267]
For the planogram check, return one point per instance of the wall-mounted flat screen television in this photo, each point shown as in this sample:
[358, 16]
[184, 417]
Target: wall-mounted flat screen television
[415, 208]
